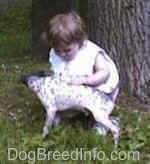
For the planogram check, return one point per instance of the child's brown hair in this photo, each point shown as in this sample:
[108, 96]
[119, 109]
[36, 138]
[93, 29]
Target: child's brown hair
[65, 29]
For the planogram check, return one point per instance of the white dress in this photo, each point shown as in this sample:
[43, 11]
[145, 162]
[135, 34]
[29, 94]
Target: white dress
[83, 64]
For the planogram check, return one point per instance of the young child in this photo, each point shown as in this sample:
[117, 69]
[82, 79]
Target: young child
[78, 60]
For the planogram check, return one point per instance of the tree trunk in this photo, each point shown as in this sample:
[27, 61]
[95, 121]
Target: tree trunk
[121, 27]
[42, 11]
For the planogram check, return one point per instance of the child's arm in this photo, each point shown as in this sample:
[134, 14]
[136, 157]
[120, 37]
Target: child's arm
[99, 76]
[101, 72]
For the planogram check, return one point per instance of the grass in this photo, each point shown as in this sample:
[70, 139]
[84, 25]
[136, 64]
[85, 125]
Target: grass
[22, 116]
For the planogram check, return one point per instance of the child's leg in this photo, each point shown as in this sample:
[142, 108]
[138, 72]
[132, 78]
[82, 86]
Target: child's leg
[114, 94]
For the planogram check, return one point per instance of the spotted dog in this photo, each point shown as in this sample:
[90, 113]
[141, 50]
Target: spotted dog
[56, 95]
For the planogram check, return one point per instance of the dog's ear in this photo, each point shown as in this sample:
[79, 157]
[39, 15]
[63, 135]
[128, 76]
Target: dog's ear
[23, 79]
[41, 73]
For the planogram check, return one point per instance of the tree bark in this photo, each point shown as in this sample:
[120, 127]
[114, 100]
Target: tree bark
[121, 27]
[42, 11]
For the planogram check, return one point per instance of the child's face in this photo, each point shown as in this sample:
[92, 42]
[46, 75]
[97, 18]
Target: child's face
[68, 52]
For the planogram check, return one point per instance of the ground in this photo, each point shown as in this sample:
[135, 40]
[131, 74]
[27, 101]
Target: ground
[132, 103]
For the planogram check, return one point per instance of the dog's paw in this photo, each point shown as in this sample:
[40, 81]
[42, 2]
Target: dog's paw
[117, 137]
[45, 132]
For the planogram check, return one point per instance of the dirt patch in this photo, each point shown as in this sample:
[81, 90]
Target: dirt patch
[131, 103]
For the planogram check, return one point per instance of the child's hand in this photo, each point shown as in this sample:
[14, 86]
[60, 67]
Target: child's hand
[75, 80]
[78, 80]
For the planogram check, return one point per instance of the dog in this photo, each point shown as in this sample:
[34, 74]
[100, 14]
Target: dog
[57, 96]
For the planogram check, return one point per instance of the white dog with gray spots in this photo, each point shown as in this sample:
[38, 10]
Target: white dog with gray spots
[57, 95]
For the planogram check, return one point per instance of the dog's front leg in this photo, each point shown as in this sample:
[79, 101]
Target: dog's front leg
[49, 121]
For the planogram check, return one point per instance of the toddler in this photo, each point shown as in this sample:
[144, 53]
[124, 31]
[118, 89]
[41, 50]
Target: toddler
[79, 61]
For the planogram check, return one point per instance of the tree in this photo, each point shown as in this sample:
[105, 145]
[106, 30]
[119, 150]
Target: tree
[42, 11]
[122, 28]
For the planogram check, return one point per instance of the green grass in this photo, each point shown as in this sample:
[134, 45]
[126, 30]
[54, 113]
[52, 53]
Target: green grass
[22, 116]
